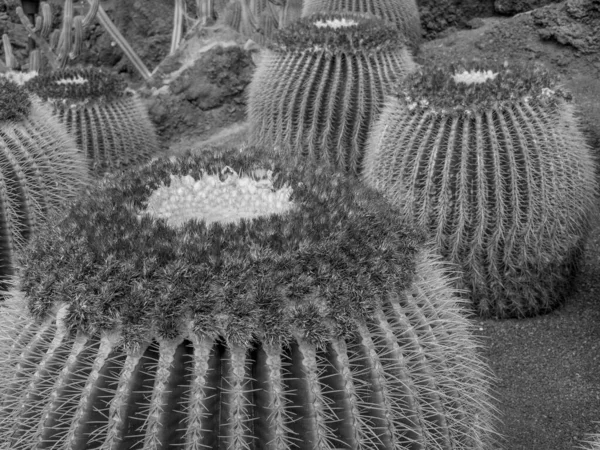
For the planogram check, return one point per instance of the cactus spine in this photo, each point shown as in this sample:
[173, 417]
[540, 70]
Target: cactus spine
[403, 13]
[320, 85]
[253, 333]
[40, 169]
[491, 160]
[109, 122]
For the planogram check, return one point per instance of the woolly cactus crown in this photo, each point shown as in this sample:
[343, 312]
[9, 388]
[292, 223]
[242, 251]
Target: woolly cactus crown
[76, 85]
[14, 101]
[315, 269]
[337, 33]
[473, 86]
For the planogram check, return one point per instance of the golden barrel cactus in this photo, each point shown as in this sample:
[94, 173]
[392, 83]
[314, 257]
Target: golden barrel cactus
[491, 160]
[321, 83]
[109, 122]
[40, 169]
[229, 301]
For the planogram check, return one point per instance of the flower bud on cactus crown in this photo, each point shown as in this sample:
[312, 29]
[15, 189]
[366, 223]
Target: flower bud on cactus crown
[40, 169]
[491, 160]
[109, 122]
[312, 319]
[320, 85]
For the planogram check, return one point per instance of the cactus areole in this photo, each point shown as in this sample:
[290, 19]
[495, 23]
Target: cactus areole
[122, 258]
[14, 101]
[473, 87]
[78, 85]
[337, 33]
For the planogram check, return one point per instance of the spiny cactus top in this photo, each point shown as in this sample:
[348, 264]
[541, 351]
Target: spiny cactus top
[310, 320]
[75, 86]
[402, 13]
[490, 158]
[109, 121]
[40, 169]
[321, 83]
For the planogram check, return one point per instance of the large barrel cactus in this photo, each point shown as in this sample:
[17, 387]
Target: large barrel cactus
[228, 301]
[491, 160]
[403, 13]
[40, 169]
[109, 121]
[321, 84]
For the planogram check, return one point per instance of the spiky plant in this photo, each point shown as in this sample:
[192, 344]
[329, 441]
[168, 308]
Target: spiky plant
[109, 121]
[491, 160]
[40, 169]
[320, 85]
[403, 13]
[230, 301]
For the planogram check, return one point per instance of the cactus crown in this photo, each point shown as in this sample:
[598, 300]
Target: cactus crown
[78, 85]
[337, 33]
[14, 101]
[315, 269]
[474, 86]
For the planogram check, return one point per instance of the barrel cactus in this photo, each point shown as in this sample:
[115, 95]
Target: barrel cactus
[491, 160]
[40, 169]
[230, 301]
[403, 13]
[320, 84]
[109, 121]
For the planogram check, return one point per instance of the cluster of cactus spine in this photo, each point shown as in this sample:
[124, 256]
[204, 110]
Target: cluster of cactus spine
[110, 123]
[491, 160]
[321, 83]
[403, 13]
[40, 169]
[264, 333]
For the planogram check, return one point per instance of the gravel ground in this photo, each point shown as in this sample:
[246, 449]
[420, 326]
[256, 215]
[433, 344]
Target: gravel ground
[548, 367]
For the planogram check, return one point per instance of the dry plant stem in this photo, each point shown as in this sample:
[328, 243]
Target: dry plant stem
[122, 42]
[46, 16]
[8, 53]
[177, 25]
[64, 42]
[77, 37]
[40, 41]
[205, 10]
[35, 60]
[91, 14]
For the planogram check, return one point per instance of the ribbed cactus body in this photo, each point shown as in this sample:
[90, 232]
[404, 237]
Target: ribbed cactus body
[499, 172]
[40, 170]
[109, 122]
[316, 328]
[319, 87]
[403, 13]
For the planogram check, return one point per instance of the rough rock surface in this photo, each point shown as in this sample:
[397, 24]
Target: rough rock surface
[510, 7]
[200, 89]
[438, 16]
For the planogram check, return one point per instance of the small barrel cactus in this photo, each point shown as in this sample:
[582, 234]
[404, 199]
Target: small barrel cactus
[403, 13]
[320, 85]
[109, 121]
[230, 301]
[491, 160]
[40, 169]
